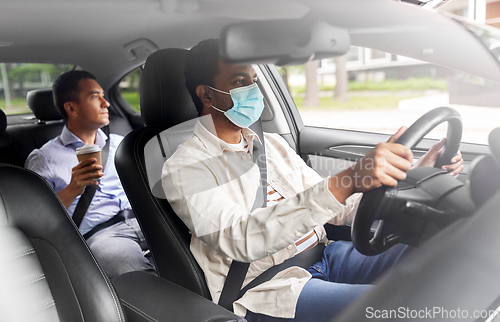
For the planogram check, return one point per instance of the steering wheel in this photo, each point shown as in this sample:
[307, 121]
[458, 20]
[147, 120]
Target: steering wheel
[372, 206]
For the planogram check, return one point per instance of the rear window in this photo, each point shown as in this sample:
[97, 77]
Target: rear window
[130, 88]
[17, 79]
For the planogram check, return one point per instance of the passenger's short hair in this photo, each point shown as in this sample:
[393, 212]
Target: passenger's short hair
[200, 67]
[66, 89]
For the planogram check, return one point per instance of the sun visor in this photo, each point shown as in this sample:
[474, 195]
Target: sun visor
[282, 42]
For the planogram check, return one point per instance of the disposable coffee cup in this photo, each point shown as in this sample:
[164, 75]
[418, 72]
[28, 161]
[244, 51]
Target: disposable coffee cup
[87, 152]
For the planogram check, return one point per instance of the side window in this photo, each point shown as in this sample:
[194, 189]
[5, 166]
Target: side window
[372, 91]
[130, 87]
[19, 78]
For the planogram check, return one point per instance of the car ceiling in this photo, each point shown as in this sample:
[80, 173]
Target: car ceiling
[93, 33]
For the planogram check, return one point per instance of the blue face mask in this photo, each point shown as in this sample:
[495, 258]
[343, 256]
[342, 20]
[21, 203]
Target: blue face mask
[248, 104]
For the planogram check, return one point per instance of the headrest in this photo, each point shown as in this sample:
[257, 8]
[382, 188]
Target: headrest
[3, 121]
[165, 100]
[484, 179]
[40, 101]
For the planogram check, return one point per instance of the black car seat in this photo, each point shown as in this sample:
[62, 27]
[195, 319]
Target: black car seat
[165, 102]
[484, 172]
[48, 124]
[169, 115]
[7, 152]
[47, 272]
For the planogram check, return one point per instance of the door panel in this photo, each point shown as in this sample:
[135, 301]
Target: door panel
[329, 151]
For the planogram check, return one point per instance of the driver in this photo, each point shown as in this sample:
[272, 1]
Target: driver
[211, 183]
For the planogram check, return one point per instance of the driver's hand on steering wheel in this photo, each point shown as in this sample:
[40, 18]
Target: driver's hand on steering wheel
[429, 160]
[386, 164]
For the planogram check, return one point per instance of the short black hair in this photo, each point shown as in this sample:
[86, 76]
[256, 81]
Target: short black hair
[200, 67]
[66, 89]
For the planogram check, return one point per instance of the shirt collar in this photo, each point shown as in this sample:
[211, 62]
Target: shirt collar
[215, 145]
[68, 138]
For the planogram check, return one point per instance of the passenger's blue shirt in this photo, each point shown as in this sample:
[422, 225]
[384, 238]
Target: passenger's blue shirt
[54, 161]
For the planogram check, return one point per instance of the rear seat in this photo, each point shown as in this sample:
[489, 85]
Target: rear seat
[49, 124]
[27, 137]
[7, 153]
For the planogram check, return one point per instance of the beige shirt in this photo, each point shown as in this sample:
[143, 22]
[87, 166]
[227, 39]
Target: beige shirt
[212, 187]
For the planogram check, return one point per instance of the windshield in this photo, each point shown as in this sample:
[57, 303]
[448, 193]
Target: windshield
[375, 91]
[488, 35]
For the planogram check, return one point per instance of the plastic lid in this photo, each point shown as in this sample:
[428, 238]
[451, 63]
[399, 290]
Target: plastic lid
[87, 148]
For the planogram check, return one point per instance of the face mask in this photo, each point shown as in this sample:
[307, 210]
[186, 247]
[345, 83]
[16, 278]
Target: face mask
[248, 104]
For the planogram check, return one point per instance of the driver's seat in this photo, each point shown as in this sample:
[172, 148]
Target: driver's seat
[169, 115]
[165, 102]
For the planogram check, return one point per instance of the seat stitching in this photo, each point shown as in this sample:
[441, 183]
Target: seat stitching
[32, 281]
[42, 308]
[108, 284]
[18, 254]
[138, 311]
[67, 275]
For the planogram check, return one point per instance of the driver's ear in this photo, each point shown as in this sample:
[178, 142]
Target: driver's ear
[201, 92]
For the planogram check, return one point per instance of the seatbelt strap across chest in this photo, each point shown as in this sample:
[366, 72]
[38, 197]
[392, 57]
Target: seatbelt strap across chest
[88, 194]
[238, 270]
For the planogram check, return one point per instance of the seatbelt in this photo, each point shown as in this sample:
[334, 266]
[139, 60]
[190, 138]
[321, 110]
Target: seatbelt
[88, 194]
[232, 290]
[238, 270]
[305, 259]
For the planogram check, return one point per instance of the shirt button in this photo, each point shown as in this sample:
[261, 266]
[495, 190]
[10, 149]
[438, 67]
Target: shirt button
[289, 247]
[297, 234]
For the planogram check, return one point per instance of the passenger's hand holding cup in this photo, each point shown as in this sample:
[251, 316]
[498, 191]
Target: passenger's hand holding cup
[87, 152]
[87, 172]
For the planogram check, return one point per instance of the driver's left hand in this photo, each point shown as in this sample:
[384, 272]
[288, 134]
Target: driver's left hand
[429, 159]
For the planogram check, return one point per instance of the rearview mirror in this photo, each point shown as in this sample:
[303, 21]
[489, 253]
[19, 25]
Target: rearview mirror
[282, 42]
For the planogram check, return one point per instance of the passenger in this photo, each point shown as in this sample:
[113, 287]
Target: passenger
[109, 225]
[211, 183]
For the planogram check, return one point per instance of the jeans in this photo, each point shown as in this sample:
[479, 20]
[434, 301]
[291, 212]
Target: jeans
[337, 280]
[119, 249]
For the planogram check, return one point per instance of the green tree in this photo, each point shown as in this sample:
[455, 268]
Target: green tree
[22, 73]
[286, 71]
[341, 92]
[312, 89]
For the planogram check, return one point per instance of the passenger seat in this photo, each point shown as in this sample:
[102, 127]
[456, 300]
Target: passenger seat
[48, 274]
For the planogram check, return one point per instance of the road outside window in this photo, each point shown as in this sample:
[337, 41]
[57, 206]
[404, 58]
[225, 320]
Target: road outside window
[16, 80]
[379, 95]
